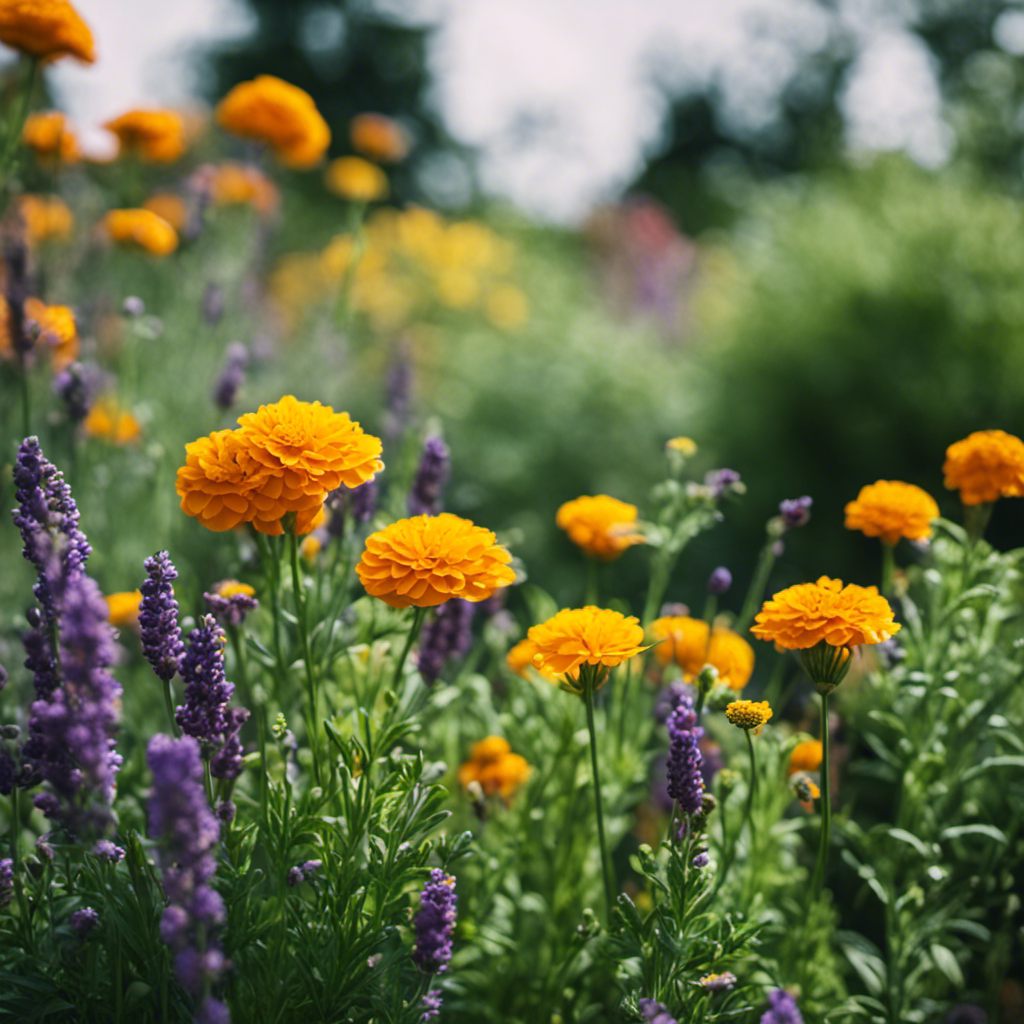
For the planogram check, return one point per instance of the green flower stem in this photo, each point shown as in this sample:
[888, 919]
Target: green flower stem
[271, 576]
[414, 632]
[14, 129]
[307, 657]
[888, 567]
[660, 573]
[26, 396]
[758, 585]
[242, 669]
[587, 678]
[752, 788]
[826, 803]
[590, 593]
[16, 855]
[169, 705]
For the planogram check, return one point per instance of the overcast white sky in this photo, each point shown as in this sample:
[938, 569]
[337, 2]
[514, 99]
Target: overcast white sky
[556, 93]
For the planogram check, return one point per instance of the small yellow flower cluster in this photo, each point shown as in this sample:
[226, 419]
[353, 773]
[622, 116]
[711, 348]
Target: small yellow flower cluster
[494, 767]
[749, 714]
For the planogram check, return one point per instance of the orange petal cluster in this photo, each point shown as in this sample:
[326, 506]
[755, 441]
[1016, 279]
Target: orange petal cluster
[56, 325]
[156, 136]
[169, 207]
[890, 509]
[379, 137]
[520, 660]
[109, 422]
[356, 179]
[686, 642]
[602, 526]
[45, 217]
[807, 614]
[141, 229]
[586, 636]
[281, 115]
[47, 29]
[285, 458]
[234, 184]
[497, 770]
[48, 134]
[985, 466]
[425, 560]
[806, 757]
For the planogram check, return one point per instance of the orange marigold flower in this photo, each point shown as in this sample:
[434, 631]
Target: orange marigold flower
[217, 480]
[806, 757]
[56, 330]
[123, 608]
[985, 466]
[425, 560]
[48, 134]
[279, 114]
[233, 184]
[890, 509]
[520, 658]
[600, 525]
[354, 178]
[47, 29]
[142, 229]
[310, 548]
[495, 768]
[170, 207]
[586, 636]
[732, 656]
[749, 714]
[109, 422]
[156, 136]
[807, 614]
[45, 217]
[379, 137]
[684, 641]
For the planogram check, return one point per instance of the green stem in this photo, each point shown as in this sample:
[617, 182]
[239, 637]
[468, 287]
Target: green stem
[758, 585]
[888, 567]
[826, 803]
[272, 578]
[586, 677]
[660, 572]
[590, 593]
[169, 704]
[752, 789]
[15, 127]
[307, 657]
[26, 397]
[414, 632]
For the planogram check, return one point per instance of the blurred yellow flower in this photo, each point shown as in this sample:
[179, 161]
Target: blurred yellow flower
[602, 526]
[806, 757]
[495, 768]
[686, 641]
[356, 179]
[156, 136]
[46, 218]
[985, 466]
[50, 137]
[506, 307]
[123, 608]
[379, 137]
[141, 229]
[108, 422]
[310, 547]
[233, 588]
[890, 509]
[47, 29]
[520, 658]
[169, 207]
[684, 445]
[57, 331]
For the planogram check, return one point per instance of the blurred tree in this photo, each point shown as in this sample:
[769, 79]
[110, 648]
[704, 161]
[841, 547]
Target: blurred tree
[351, 56]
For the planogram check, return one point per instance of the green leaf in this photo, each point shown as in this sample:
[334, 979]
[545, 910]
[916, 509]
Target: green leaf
[958, 831]
[908, 838]
[947, 963]
[990, 763]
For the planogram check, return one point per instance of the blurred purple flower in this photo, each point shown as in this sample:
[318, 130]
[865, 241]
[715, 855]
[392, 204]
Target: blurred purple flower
[426, 496]
[434, 923]
[795, 512]
[782, 1009]
[446, 637]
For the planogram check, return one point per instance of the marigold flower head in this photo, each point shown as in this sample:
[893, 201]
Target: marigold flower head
[749, 714]
[379, 137]
[217, 480]
[47, 29]
[109, 422]
[123, 607]
[495, 768]
[281, 115]
[234, 184]
[155, 136]
[807, 614]
[45, 217]
[170, 207]
[310, 548]
[57, 331]
[425, 560]
[586, 636]
[985, 466]
[520, 660]
[141, 229]
[602, 526]
[890, 509]
[50, 137]
[356, 179]
[806, 757]
[686, 642]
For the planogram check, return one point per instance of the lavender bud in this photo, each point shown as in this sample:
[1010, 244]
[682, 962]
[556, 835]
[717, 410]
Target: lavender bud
[213, 304]
[158, 617]
[782, 1009]
[434, 923]
[397, 402]
[6, 881]
[295, 876]
[655, 1013]
[232, 375]
[208, 907]
[431, 476]
[701, 860]
[174, 924]
[431, 1004]
[795, 512]
[719, 581]
[133, 306]
[447, 637]
[685, 782]
[106, 850]
[83, 921]
[718, 982]
[718, 481]
[212, 1011]
[77, 386]
[225, 811]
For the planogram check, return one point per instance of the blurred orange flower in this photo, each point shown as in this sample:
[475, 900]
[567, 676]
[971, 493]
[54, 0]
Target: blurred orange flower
[520, 658]
[47, 29]
[806, 757]
[123, 607]
[234, 184]
[156, 136]
[602, 526]
[356, 179]
[46, 218]
[57, 331]
[379, 137]
[425, 560]
[170, 208]
[586, 636]
[890, 509]
[48, 134]
[985, 466]
[497, 770]
[141, 229]
[109, 422]
[281, 115]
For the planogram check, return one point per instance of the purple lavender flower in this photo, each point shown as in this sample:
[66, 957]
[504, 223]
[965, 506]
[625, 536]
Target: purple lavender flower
[718, 982]
[431, 476]
[225, 811]
[174, 924]
[207, 692]
[434, 923]
[6, 881]
[967, 1013]
[782, 1009]
[207, 907]
[701, 860]
[106, 850]
[232, 375]
[213, 304]
[158, 617]
[3, 677]
[83, 921]
[8, 773]
[227, 762]
[359, 503]
[685, 783]
[447, 636]
[399, 389]
[232, 610]
[212, 1011]
[304, 872]
[77, 386]
[133, 306]
[431, 1004]
[718, 481]
[655, 1013]
[795, 512]
[719, 581]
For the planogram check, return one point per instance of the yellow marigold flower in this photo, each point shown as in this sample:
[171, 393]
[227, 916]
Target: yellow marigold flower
[232, 588]
[806, 757]
[170, 207]
[109, 422]
[890, 509]
[156, 136]
[47, 29]
[281, 115]
[233, 184]
[985, 466]
[504, 776]
[48, 134]
[749, 714]
[520, 658]
[684, 445]
[123, 608]
[45, 217]
[425, 560]
[732, 656]
[586, 636]
[310, 548]
[600, 525]
[356, 179]
[56, 330]
[684, 641]
[807, 614]
[141, 229]
[379, 137]
[217, 480]
[490, 749]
